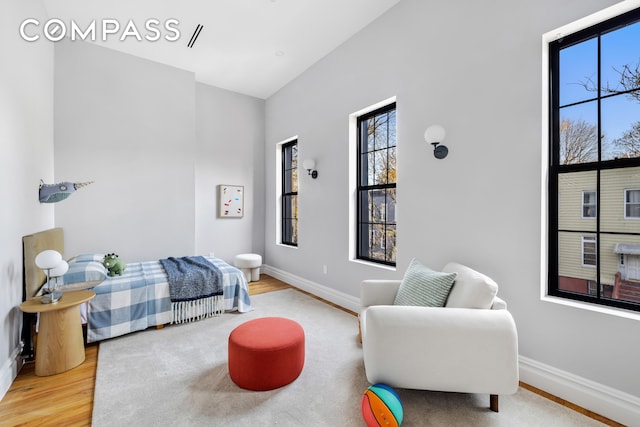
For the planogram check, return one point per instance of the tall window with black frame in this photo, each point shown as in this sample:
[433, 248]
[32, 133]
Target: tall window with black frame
[376, 190]
[290, 193]
[594, 164]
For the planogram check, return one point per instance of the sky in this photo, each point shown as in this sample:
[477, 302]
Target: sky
[579, 65]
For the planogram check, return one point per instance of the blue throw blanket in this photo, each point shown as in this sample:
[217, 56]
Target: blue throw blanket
[192, 278]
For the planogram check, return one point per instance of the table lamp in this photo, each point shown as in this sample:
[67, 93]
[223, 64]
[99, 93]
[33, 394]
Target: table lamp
[51, 261]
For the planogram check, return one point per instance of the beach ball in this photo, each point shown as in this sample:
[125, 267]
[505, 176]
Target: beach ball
[381, 406]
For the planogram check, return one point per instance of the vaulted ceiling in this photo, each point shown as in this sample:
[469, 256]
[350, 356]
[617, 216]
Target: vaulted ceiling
[253, 47]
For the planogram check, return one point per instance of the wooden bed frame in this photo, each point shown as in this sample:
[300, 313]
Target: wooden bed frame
[33, 277]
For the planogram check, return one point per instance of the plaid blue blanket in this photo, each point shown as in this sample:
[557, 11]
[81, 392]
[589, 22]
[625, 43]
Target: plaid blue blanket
[140, 299]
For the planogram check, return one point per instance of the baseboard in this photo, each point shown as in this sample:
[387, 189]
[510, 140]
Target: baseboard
[9, 371]
[339, 298]
[600, 399]
[603, 400]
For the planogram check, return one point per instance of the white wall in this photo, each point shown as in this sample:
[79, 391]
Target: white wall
[230, 147]
[129, 125]
[157, 144]
[476, 70]
[473, 70]
[26, 140]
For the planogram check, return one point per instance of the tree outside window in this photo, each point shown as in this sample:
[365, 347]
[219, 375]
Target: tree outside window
[377, 186]
[594, 163]
[290, 193]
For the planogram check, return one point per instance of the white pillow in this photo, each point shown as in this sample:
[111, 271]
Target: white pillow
[471, 288]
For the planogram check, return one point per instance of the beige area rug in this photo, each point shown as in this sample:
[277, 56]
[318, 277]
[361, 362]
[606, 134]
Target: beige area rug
[178, 376]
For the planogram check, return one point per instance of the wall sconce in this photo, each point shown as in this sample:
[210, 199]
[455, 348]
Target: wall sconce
[310, 166]
[51, 261]
[434, 135]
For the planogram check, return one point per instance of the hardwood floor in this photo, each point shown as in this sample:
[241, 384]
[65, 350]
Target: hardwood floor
[66, 399]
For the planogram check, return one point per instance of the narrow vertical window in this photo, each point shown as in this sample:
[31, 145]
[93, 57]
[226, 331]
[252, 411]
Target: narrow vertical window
[588, 204]
[588, 251]
[290, 193]
[376, 216]
[632, 204]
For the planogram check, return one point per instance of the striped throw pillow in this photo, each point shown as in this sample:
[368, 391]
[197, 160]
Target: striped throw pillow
[422, 286]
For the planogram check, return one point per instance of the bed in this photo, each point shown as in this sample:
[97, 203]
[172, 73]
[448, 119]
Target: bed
[136, 300]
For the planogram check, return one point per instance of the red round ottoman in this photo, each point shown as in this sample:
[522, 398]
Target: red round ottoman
[266, 353]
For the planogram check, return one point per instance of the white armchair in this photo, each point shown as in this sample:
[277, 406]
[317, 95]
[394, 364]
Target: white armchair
[454, 349]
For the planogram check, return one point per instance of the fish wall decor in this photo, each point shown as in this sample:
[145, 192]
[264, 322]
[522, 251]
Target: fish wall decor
[52, 193]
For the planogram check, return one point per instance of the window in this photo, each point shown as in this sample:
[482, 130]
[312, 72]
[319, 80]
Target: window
[588, 251]
[588, 204]
[632, 203]
[594, 156]
[290, 193]
[376, 188]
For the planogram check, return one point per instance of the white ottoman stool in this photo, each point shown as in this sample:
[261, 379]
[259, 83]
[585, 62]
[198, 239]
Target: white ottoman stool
[249, 264]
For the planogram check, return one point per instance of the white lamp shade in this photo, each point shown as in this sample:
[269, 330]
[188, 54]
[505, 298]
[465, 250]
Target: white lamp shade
[309, 164]
[434, 133]
[48, 259]
[59, 269]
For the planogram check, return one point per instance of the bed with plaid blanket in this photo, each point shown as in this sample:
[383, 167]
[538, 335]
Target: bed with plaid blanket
[140, 298]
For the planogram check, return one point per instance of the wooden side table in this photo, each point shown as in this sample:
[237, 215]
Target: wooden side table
[60, 342]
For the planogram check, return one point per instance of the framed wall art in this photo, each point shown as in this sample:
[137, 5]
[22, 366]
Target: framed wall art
[231, 201]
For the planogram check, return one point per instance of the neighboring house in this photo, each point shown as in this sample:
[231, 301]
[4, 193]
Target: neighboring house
[619, 217]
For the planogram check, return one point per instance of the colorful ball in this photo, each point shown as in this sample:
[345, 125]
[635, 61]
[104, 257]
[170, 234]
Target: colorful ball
[381, 406]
